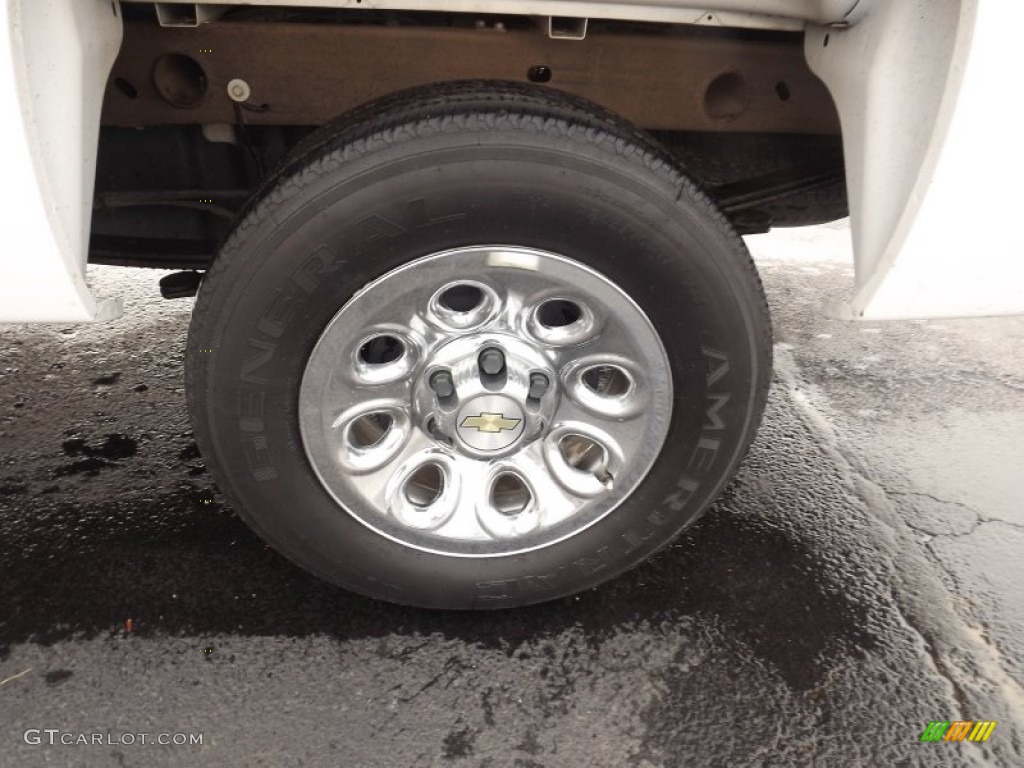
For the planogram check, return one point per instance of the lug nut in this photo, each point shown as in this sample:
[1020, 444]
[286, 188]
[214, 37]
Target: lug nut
[538, 385]
[492, 361]
[442, 384]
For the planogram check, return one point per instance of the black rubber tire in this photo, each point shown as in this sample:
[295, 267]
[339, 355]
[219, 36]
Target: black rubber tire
[467, 164]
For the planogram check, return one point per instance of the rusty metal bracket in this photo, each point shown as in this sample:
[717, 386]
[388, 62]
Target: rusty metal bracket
[566, 28]
[188, 14]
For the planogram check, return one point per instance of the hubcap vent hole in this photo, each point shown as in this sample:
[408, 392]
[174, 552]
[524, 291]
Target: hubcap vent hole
[425, 486]
[584, 455]
[607, 380]
[461, 298]
[381, 350]
[558, 313]
[368, 430]
[509, 494]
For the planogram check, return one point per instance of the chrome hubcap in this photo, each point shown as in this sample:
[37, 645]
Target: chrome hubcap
[485, 415]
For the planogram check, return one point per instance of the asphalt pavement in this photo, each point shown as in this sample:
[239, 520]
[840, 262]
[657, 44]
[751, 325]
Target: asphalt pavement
[860, 578]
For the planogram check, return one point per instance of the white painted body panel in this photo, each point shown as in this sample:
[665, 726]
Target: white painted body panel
[933, 155]
[54, 59]
[927, 127]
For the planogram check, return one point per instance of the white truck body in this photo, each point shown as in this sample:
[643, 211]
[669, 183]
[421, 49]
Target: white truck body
[918, 86]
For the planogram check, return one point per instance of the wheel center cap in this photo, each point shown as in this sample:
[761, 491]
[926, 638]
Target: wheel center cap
[490, 423]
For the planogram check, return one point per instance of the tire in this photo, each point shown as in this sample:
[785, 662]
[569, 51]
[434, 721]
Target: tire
[455, 180]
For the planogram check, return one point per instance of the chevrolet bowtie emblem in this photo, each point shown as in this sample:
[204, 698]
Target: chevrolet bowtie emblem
[489, 422]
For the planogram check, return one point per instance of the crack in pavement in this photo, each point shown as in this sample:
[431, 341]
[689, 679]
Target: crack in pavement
[938, 625]
[929, 536]
[980, 519]
[929, 496]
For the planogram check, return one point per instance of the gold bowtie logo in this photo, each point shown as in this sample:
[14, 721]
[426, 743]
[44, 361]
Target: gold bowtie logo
[489, 422]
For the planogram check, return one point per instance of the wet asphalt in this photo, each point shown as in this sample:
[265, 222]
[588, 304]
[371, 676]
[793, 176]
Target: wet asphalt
[860, 577]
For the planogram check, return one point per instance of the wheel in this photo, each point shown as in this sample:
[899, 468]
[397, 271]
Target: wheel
[480, 345]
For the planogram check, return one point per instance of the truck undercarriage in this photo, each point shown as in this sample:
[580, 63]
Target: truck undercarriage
[195, 117]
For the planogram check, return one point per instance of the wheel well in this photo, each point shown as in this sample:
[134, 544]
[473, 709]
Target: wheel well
[195, 118]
